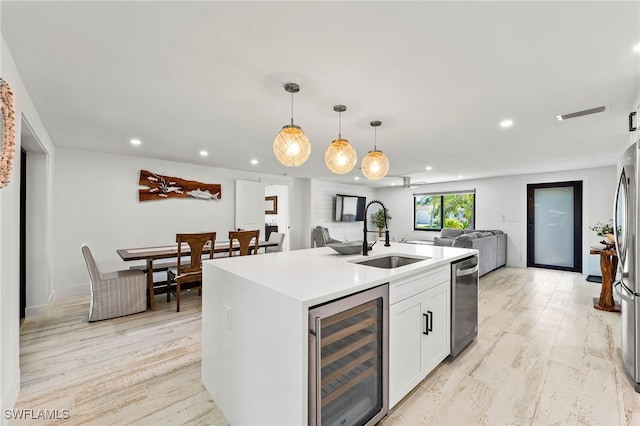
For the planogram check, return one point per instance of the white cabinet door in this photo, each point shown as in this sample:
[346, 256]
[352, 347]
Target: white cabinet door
[405, 347]
[437, 319]
[419, 336]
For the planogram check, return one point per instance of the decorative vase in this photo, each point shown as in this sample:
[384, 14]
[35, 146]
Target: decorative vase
[380, 232]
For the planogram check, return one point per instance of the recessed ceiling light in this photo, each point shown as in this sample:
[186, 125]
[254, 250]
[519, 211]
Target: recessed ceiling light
[204, 153]
[506, 123]
[428, 168]
[636, 48]
[393, 184]
[357, 178]
[254, 161]
[135, 142]
[460, 177]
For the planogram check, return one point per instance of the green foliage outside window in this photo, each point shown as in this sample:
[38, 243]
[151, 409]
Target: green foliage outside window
[452, 210]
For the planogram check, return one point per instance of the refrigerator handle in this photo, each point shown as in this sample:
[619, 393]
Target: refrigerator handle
[617, 287]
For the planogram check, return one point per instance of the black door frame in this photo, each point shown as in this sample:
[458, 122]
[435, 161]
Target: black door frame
[23, 232]
[577, 224]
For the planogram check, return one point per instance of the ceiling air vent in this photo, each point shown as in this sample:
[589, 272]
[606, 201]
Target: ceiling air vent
[581, 113]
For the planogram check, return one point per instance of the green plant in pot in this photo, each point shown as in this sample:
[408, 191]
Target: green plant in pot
[377, 218]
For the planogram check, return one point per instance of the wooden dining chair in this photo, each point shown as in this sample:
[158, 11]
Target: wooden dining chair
[244, 239]
[188, 275]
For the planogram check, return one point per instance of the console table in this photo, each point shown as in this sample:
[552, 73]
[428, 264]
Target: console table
[608, 267]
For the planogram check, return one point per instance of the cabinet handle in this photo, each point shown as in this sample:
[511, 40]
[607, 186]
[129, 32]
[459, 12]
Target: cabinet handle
[426, 324]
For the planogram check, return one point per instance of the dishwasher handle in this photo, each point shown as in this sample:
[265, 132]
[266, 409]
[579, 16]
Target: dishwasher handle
[465, 272]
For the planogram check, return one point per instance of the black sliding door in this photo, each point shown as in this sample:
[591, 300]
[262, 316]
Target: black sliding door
[554, 225]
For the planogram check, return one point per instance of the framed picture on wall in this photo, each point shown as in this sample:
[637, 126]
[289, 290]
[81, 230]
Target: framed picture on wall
[271, 205]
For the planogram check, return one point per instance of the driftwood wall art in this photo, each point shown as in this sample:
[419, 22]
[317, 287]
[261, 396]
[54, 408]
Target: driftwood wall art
[7, 132]
[160, 187]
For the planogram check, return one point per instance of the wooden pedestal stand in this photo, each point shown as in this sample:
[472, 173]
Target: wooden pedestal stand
[608, 267]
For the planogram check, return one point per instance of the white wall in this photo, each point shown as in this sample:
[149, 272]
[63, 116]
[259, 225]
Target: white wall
[323, 196]
[96, 201]
[301, 219]
[506, 197]
[9, 234]
[635, 136]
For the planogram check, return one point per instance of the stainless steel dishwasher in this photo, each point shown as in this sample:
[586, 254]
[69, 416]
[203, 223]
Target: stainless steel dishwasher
[464, 303]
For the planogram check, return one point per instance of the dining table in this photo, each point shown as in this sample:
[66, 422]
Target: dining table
[151, 254]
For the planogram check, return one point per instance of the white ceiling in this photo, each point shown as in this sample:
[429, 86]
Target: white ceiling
[187, 76]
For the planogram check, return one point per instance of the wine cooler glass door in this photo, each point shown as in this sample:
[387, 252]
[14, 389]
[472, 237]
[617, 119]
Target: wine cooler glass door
[348, 360]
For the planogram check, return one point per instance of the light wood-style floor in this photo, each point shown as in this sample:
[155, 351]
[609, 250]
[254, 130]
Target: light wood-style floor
[543, 356]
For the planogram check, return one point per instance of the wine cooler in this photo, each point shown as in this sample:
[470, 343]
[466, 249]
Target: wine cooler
[348, 359]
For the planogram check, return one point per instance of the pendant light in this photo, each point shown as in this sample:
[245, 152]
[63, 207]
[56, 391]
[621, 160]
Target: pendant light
[291, 146]
[375, 165]
[340, 157]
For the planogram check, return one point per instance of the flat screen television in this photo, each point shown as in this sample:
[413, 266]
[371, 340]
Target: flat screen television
[350, 208]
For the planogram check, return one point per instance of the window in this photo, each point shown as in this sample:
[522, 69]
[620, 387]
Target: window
[432, 212]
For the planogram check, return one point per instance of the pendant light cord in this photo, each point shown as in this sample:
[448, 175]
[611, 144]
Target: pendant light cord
[339, 125]
[292, 108]
[375, 138]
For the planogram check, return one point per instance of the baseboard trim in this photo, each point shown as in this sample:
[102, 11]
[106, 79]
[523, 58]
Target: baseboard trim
[35, 311]
[64, 292]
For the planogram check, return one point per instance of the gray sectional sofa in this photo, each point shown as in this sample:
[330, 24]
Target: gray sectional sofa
[492, 245]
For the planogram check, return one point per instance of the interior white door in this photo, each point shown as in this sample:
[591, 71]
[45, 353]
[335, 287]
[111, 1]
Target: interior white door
[250, 206]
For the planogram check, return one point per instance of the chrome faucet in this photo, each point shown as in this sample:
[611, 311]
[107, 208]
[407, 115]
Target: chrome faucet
[365, 244]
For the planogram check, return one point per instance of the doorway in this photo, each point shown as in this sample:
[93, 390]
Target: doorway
[277, 219]
[35, 281]
[554, 225]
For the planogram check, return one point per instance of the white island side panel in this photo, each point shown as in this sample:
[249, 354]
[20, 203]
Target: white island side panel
[255, 371]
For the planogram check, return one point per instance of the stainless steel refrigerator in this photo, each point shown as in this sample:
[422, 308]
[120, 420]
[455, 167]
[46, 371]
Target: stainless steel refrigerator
[626, 217]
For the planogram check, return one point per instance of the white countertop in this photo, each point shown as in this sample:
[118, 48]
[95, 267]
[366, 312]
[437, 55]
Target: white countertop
[317, 275]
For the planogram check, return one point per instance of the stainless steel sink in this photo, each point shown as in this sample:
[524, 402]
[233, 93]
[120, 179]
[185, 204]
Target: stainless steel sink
[391, 261]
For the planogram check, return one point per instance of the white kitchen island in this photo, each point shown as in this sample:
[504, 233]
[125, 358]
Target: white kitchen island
[255, 321]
